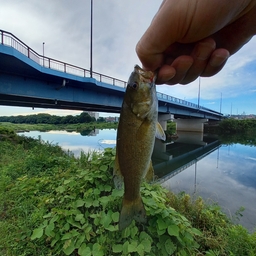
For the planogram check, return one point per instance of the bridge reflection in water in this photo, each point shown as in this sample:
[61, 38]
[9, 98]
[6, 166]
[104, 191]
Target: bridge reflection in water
[171, 158]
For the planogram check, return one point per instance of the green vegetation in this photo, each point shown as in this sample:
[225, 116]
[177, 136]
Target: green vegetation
[52, 203]
[68, 127]
[171, 129]
[234, 126]
[49, 119]
[44, 122]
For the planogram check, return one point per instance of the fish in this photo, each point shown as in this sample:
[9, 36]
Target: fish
[137, 129]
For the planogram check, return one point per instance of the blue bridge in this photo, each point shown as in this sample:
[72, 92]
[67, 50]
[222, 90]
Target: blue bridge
[32, 80]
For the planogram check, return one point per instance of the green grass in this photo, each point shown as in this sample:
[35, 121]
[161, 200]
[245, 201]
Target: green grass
[52, 203]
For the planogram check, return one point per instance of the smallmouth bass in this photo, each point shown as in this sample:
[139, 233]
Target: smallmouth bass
[137, 129]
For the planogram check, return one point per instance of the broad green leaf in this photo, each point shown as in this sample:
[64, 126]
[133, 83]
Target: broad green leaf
[146, 244]
[48, 215]
[144, 235]
[60, 189]
[67, 236]
[169, 247]
[103, 168]
[161, 224]
[79, 217]
[196, 231]
[173, 230]
[115, 216]
[79, 241]
[140, 250]
[68, 247]
[55, 218]
[134, 231]
[79, 203]
[106, 219]
[37, 233]
[132, 247]
[97, 250]
[117, 248]
[125, 248]
[104, 200]
[66, 182]
[88, 201]
[49, 229]
[73, 223]
[84, 250]
[112, 228]
[117, 192]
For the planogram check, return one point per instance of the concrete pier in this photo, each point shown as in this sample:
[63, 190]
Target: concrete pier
[190, 125]
[163, 118]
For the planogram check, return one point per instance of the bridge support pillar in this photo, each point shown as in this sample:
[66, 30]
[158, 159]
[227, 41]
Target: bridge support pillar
[163, 118]
[190, 125]
[196, 138]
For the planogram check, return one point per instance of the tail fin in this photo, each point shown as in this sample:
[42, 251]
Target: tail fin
[132, 210]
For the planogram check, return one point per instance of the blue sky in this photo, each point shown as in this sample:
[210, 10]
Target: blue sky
[64, 26]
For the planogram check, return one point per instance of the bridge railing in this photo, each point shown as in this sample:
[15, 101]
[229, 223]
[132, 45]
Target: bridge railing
[183, 102]
[8, 39]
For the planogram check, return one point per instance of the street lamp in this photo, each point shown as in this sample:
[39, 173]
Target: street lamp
[43, 53]
[91, 40]
[199, 85]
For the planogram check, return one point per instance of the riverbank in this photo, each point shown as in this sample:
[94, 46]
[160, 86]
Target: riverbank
[54, 203]
[65, 127]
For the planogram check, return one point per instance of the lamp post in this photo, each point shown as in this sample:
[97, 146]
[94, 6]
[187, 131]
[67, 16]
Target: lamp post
[91, 39]
[220, 101]
[199, 85]
[43, 53]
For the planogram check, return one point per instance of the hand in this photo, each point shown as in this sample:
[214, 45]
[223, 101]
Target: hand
[192, 38]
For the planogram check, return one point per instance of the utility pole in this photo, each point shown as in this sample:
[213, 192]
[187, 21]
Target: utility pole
[91, 39]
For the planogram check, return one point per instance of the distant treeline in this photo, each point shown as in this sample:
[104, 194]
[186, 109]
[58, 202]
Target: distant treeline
[51, 119]
[232, 126]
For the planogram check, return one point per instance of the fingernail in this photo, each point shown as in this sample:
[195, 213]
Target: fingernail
[203, 51]
[218, 60]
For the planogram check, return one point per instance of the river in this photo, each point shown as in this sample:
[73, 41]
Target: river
[198, 165]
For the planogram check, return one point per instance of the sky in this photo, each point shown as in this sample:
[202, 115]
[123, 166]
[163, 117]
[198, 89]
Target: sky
[64, 27]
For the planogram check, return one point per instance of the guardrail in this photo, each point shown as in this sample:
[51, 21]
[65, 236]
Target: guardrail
[184, 103]
[7, 38]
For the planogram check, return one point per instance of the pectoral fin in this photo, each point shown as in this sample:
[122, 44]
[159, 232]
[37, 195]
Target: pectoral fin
[160, 134]
[117, 176]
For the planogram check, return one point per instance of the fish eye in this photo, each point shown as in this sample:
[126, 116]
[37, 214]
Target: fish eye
[134, 85]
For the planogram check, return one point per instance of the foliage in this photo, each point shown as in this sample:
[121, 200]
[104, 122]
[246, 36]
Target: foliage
[54, 204]
[171, 128]
[48, 119]
[233, 126]
[80, 127]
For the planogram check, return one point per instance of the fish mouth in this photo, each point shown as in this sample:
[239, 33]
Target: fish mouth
[145, 76]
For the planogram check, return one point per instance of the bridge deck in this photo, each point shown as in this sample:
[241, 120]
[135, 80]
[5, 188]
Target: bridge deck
[32, 80]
